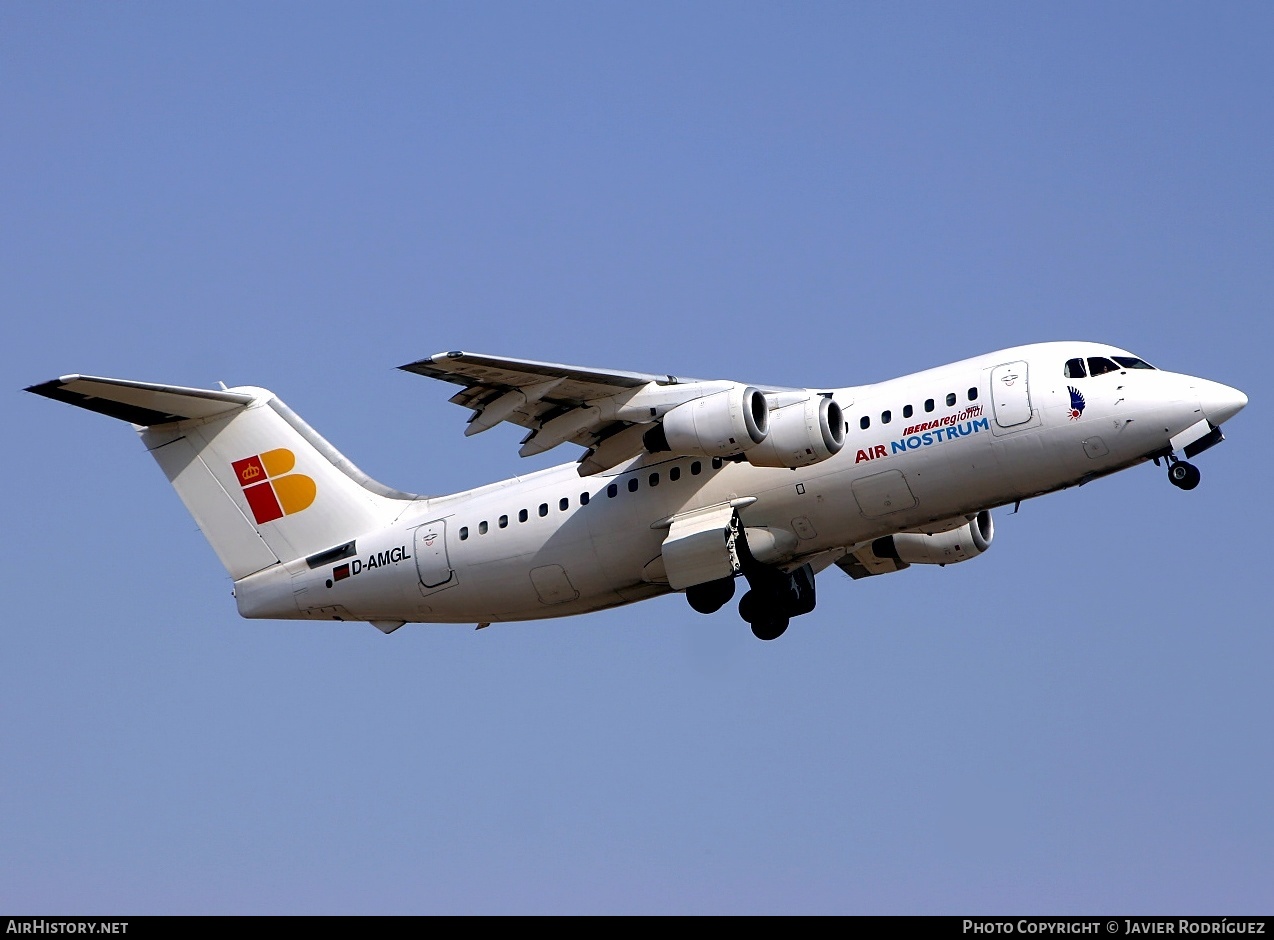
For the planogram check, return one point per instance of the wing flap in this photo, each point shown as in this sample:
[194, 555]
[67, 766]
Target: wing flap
[556, 402]
[491, 381]
[610, 448]
[582, 383]
[601, 410]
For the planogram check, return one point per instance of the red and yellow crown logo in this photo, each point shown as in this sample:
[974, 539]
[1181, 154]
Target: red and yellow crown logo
[271, 491]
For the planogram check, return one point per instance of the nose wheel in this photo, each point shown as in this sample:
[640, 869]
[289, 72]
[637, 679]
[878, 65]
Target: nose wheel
[1182, 475]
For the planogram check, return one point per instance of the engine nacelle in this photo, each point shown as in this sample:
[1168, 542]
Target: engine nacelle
[802, 433]
[944, 548]
[723, 424]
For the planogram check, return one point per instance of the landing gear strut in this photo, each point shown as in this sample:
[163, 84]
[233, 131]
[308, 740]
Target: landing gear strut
[1184, 476]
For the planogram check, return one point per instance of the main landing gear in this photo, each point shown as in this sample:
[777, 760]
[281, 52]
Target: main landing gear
[773, 598]
[710, 597]
[765, 613]
[1182, 475]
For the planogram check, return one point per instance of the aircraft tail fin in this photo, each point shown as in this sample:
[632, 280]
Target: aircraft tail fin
[263, 486]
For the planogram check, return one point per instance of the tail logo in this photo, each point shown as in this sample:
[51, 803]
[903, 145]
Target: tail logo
[271, 490]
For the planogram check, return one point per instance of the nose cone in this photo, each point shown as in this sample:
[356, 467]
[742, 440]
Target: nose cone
[1220, 402]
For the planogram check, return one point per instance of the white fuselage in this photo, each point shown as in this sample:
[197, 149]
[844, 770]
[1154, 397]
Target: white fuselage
[938, 445]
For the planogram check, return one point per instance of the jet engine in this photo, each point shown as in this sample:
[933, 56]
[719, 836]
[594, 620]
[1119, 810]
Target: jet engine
[943, 548]
[801, 433]
[723, 424]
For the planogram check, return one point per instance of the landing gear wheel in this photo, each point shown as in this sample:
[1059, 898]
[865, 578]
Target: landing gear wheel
[769, 628]
[765, 623]
[710, 597]
[1183, 475]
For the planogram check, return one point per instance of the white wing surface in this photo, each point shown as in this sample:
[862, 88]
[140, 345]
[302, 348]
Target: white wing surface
[605, 411]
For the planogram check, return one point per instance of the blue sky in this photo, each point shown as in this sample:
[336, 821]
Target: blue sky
[304, 196]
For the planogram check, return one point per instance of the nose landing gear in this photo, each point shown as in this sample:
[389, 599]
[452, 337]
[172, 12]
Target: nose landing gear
[1184, 476]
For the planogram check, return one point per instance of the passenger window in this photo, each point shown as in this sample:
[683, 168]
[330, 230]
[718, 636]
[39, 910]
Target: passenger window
[886, 417]
[1075, 369]
[674, 474]
[612, 491]
[504, 522]
[696, 468]
[716, 463]
[563, 504]
[1132, 362]
[544, 509]
[522, 514]
[654, 479]
[928, 404]
[907, 411]
[464, 532]
[1098, 365]
[973, 393]
[482, 527]
[864, 422]
[583, 499]
[632, 485]
[951, 399]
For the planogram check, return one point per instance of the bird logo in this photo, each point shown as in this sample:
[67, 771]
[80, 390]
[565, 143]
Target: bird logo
[1077, 403]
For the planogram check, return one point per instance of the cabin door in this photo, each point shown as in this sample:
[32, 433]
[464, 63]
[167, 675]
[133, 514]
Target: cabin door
[431, 555]
[1011, 394]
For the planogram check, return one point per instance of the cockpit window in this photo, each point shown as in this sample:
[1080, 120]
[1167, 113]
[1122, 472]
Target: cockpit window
[1099, 365]
[1132, 362]
[1075, 369]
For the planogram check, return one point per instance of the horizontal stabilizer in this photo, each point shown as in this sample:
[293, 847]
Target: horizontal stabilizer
[141, 403]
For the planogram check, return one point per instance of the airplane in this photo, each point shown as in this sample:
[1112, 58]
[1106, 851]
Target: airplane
[684, 485]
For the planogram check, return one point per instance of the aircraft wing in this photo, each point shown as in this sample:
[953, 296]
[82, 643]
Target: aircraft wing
[602, 410]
